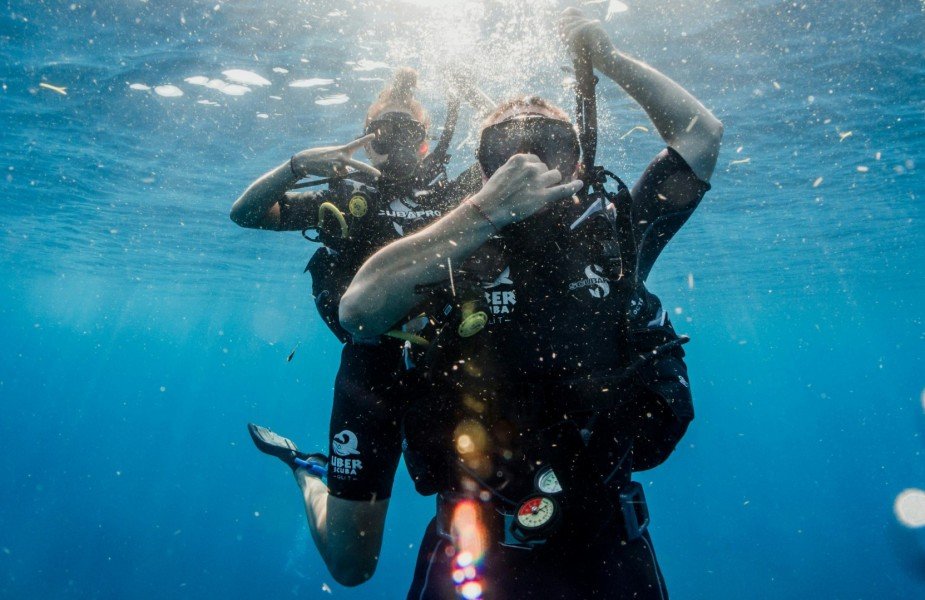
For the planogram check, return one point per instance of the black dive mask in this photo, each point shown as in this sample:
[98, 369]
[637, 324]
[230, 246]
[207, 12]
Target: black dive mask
[554, 141]
[399, 136]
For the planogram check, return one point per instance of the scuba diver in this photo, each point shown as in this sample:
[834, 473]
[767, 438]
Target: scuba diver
[550, 373]
[402, 190]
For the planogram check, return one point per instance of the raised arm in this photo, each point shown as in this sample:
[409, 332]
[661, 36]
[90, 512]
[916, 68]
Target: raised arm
[258, 206]
[383, 290]
[683, 122]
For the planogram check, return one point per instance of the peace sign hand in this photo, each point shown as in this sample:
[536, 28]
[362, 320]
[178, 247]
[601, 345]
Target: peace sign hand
[332, 160]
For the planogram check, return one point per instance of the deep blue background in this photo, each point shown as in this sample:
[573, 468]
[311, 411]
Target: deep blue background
[141, 329]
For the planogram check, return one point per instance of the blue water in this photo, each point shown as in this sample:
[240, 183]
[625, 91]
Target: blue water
[141, 329]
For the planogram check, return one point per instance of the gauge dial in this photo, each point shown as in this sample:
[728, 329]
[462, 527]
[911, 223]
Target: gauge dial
[547, 482]
[536, 512]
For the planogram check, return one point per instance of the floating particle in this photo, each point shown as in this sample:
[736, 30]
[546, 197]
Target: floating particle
[6, 550]
[333, 99]
[863, 169]
[233, 89]
[741, 161]
[739, 149]
[818, 182]
[678, 310]
[690, 281]
[877, 156]
[256, 513]
[909, 508]
[245, 77]
[197, 80]
[207, 102]
[692, 123]
[307, 83]
[280, 70]
[163, 388]
[326, 588]
[54, 88]
[844, 135]
[636, 128]
[263, 116]
[139, 87]
[615, 7]
[776, 85]
[275, 97]
[168, 91]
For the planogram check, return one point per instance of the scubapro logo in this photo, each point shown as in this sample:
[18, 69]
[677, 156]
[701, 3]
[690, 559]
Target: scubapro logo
[598, 285]
[406, 210]
[345, 443]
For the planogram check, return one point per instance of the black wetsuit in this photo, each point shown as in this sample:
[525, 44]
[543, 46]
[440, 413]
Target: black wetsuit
[364, 435]
[556, 316]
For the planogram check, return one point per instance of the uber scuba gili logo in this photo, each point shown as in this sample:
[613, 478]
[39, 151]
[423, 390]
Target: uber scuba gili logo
[498, 301]
[406, 210]
[598, 285]
[345, 445]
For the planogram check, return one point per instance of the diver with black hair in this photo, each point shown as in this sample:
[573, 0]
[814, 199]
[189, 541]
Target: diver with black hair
[364, 207]
[550, 373]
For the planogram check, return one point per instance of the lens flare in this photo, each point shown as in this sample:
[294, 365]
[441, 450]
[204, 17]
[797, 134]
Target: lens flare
[469, 542]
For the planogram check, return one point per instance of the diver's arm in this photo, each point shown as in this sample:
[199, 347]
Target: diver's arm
[347, 533]
[258, 206]
[683, 122]
[382, 292]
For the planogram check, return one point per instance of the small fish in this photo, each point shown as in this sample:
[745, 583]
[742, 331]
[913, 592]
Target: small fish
[55, 88]
[291, 354]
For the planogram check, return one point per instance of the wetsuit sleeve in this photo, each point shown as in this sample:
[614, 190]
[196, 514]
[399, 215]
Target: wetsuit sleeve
[365, 429]
[663, 200]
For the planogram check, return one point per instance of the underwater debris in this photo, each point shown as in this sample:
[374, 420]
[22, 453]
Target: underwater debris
[636, 128]
[54, 88]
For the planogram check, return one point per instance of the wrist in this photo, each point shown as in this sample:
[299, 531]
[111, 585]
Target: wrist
[482, 215]
[296, 172]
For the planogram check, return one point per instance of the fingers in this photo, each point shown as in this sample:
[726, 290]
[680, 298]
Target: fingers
[549, 178]
[565, 190]
[362, 166]
[357, 144]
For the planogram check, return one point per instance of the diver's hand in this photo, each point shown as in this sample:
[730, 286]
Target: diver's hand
[521, 187]
[582, 34]
[332, 160]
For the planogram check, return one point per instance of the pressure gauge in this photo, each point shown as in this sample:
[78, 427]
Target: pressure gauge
[547, 482]
[537, 513]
